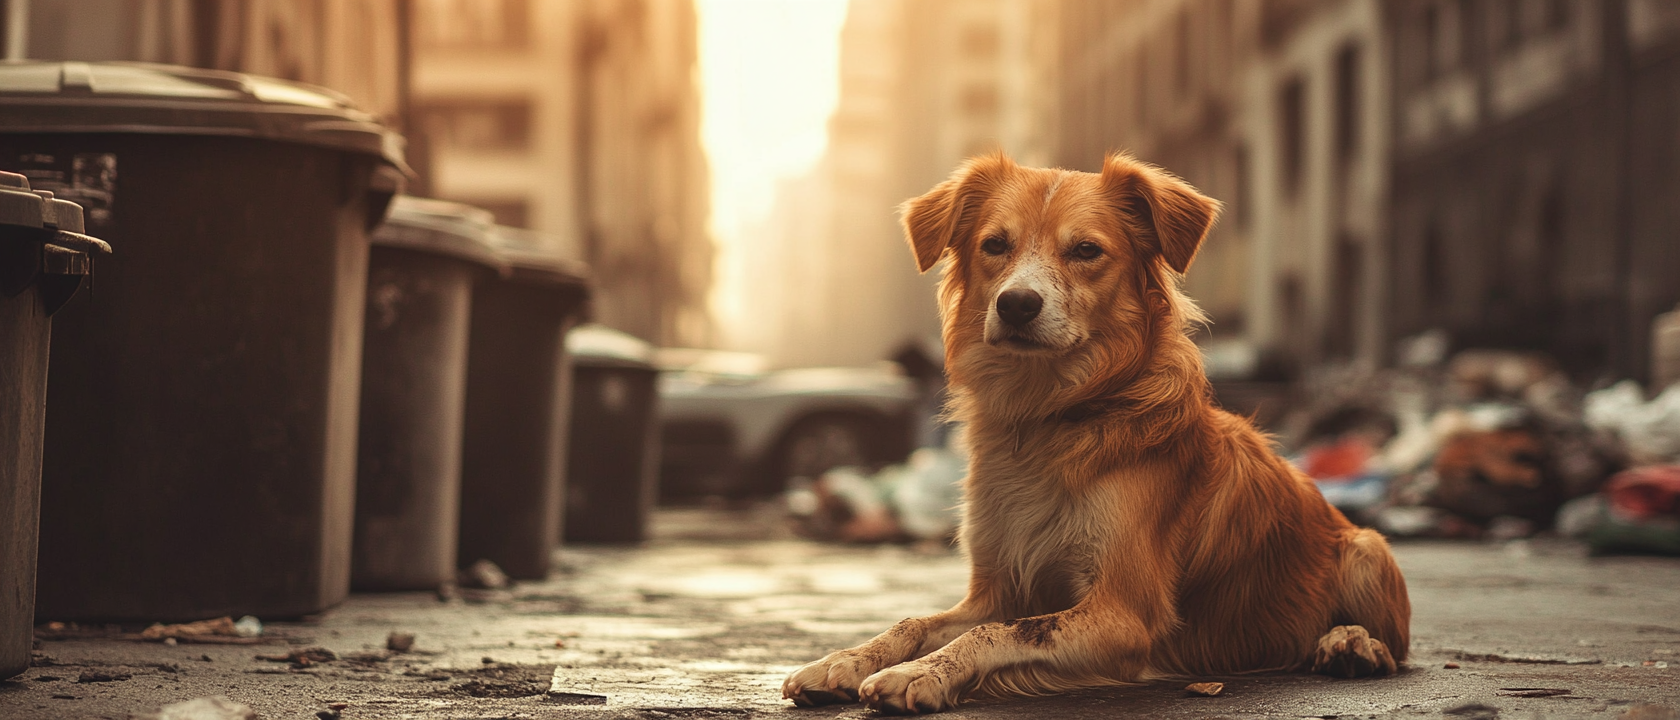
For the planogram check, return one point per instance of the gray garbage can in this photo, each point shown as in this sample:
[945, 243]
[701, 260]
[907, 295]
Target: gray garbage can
[612, 474]
[201, 442]
[43, 262]
[513, 458]
[425, 261]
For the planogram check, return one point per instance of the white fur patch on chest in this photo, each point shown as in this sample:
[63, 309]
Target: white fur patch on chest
[1043, 541]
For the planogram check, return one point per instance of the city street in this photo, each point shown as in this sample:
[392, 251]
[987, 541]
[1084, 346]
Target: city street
[706, 619]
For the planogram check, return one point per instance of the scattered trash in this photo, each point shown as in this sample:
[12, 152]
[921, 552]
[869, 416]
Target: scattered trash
[95, 676]
[914, 501]
[399, 641]
[215, 707]
[482, 575]
[248, 626]
[1638, 511]
[1649, 430]
[1205, 689]
[222, 631]
[303, 657]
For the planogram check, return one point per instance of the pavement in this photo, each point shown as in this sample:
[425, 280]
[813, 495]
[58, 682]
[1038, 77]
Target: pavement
[705, 620]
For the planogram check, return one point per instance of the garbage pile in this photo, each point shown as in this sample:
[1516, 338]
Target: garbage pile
[1493, 444]
[913, 501]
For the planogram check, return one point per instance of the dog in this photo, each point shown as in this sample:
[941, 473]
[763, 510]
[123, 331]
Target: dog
[1119, 526]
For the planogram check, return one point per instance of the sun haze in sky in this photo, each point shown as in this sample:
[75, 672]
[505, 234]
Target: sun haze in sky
[769, 78]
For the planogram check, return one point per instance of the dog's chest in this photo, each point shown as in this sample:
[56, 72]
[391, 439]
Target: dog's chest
[1043, 542]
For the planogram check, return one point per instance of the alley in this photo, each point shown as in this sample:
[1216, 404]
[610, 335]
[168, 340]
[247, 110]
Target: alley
[706, 619]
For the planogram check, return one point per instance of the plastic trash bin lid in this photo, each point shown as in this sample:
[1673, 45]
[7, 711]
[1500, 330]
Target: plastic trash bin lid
[595, 345]
[533, 257]
[60, 220]
[146, 98]
[441, 227]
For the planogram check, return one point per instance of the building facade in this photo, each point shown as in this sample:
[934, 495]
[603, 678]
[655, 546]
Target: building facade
[579, 120]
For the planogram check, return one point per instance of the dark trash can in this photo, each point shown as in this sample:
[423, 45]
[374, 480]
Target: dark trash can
[201, 443]
[518, 401]
[44, 260]
[612, 476]
[424, 263]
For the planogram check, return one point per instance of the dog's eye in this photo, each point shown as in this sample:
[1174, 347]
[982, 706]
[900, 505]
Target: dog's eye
[1087, 250]
[995, 245]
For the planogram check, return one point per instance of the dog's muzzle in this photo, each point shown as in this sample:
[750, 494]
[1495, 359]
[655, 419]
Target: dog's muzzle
[1019, 306]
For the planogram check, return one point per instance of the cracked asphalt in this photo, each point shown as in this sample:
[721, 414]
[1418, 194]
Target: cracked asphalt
[706, 619]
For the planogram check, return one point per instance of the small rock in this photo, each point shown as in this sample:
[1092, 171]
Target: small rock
[399, 642]
[1450, 666]
[205, 658]
[215, 707]
[487, 660]
[171, 642]
[339, 706]
[327, 714]
[1205, 689]
[560, 642]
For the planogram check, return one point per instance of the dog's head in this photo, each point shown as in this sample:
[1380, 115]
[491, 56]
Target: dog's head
[1044, 261]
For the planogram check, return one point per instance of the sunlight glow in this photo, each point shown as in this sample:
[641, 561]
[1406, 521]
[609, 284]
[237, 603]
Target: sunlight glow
[769, 78]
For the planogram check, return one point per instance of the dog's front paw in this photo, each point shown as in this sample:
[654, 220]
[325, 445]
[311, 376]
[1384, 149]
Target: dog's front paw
[913, 687]
[1348, 651]
[829, 681]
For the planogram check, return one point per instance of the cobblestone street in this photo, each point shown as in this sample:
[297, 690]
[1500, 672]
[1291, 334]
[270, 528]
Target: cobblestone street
[706, 620]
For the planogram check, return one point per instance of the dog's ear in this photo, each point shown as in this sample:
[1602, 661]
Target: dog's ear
[947, 213]
[1171, 215]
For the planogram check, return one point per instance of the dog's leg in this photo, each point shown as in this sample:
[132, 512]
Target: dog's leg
[1099, 641]
[835, 678]
[1375, 608]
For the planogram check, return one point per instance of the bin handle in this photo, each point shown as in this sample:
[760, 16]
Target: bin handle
[83, 243]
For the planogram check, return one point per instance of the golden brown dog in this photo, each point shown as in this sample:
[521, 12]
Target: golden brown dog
[1119, 525]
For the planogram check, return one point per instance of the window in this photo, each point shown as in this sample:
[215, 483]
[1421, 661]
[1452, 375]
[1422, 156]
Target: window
[473, 23]
[980, 100]
[1347, 103]
[477, 124]
[1292, 133]
[980, 41]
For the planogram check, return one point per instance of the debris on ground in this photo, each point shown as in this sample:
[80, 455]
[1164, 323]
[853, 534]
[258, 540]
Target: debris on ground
[1205, 689]
[482, 575]
[913, 501]
[1638, 511]
[399, 641]
[503, 681]
[97, 676]
[303, 657]
[1489, 444]
[215, 707]
[223, 631]
[1534, 692]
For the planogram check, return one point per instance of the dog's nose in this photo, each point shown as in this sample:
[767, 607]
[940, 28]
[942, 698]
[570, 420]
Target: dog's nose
[1019, 306]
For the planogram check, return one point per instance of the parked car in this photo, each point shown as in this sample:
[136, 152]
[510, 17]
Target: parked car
[733, 428]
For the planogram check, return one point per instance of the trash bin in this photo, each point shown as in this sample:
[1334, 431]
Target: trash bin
[518, 401]
[43, 261]
[200, 455]
[612, 476]
[424, 262]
